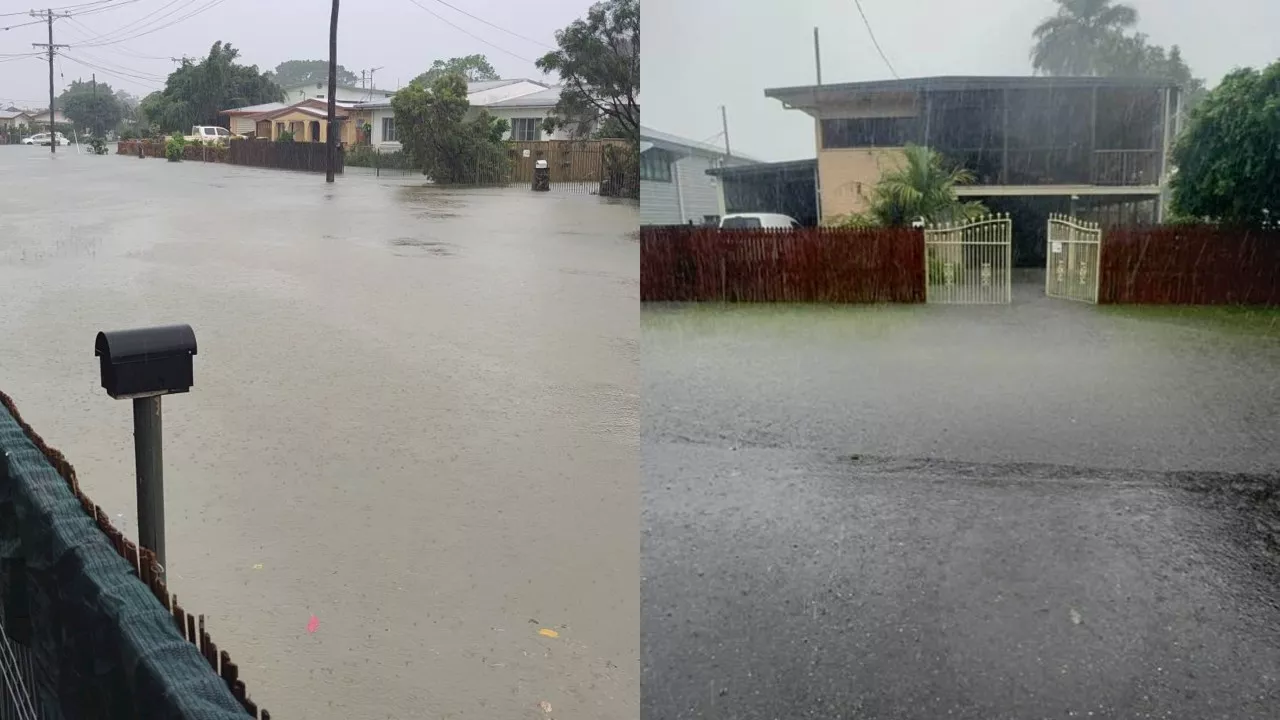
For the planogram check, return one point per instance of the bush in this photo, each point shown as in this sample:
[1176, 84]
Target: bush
[173, 147]
[99, 146]
[286, 136]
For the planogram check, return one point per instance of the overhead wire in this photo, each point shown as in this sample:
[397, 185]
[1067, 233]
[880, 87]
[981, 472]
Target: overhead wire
[468, 33]
[875, 42]
[498, 27]
[112, 39]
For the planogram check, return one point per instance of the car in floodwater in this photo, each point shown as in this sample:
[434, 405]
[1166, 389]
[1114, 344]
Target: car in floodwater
[43, 139]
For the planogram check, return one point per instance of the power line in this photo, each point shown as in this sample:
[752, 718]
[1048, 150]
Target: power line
[498, 27]
[121, 50]
[468, 33]
[121, 74]
[873, 38]
[114, 40]
[63, 8]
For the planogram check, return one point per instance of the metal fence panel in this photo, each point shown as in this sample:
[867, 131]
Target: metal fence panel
[970, 263]
[1071, 264]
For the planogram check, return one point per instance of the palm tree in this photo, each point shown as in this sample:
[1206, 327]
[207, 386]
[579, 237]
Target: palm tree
[921, 188]
[1076, 40]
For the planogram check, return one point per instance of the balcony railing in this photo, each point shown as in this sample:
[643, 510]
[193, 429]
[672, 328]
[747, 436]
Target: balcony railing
[1125, 167]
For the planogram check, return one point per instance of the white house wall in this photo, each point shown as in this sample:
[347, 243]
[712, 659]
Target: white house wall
[691, 195]
[539, 114]
[297, 95]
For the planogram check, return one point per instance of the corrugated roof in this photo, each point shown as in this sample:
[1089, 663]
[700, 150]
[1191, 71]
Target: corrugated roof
[10, 114]
[808, 95]
[248, 109]
[545, 98]
[472, 88]
[669, 142]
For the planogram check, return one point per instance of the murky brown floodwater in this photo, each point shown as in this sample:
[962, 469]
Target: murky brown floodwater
[415, 409]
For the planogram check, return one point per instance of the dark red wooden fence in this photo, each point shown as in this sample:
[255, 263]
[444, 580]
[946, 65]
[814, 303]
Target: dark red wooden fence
[1190, 265]
[689, 264]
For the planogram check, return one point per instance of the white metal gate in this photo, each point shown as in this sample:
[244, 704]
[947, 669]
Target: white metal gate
[969, 262]
[1071, 267]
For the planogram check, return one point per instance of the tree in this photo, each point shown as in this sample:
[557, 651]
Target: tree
[195, 92]
[1076, 39]
[474, 68]
[292, 73]
[447, 142]
[598, 61]
[921, 188]
[93, 109]
[1228, 168]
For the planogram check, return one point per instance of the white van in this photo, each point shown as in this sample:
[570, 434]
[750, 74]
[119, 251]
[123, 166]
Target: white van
[751, 221]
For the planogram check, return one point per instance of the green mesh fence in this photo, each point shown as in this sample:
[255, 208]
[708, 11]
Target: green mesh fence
[93, 636]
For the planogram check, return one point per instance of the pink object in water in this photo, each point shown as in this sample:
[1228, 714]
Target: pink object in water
[313, 624]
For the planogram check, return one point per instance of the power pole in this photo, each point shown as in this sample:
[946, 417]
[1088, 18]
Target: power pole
[332, 141]
[371, 85]
[95, 104]
[48, 14]
[724, 125]
[817, 54]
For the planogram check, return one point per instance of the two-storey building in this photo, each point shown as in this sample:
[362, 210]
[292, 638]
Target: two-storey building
[1095, 147]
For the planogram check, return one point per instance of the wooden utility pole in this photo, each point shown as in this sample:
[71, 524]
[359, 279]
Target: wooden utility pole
[48, 14]
[817, 54]
[332, 140]
[724, 125]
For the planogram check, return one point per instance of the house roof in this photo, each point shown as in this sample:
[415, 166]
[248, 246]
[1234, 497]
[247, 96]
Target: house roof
[807, 96]
[10, 114]
[472, 88]
[252, 109]
[675, 143]
[801, 168]
[325, 85]
[302, 107]
[542, 99]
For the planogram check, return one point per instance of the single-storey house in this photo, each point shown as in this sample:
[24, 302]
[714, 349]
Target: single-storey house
[41, 117]
[241, 120]
[675, 188]
[525, 103]
[306, 120]
[14, 118]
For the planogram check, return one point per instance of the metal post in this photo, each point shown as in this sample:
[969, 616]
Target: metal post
[150, 473]
[817, 55]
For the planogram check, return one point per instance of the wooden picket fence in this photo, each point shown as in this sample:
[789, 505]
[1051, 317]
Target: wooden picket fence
[305, 156]
[1190, 265]
[820, 265]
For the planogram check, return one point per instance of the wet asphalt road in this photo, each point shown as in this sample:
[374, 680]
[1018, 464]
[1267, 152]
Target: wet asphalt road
[411, 407]
[1032, 511]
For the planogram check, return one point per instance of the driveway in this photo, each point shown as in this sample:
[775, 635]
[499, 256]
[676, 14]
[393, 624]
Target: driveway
[1036, 510]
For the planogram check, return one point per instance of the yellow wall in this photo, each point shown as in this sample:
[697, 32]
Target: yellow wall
[302, 122]
[847, 176]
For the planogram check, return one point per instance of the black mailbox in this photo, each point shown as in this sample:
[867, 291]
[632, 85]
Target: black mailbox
[146, 361]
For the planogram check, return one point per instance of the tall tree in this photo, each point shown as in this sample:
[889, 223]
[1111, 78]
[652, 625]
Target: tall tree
[923, 187]
[473, 68]
[92, 109]
[292, 73]
[599, 67]
[1227, 161]
[1076, 39]
[195, 92]
[444, 140]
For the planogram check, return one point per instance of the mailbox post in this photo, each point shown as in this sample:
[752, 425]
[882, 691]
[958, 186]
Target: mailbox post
[143, 365]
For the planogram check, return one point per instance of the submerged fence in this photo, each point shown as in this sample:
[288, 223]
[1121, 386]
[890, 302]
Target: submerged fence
[837, 265]
[87, 629]
[305, 156]
[1190, 265]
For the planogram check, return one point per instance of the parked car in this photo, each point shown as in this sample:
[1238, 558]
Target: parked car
[43, 139]
[210, 133]
[768, 221]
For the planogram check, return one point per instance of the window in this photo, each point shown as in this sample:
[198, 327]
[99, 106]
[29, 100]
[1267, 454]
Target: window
[222, 132]
[279, 129]
[868, 132]
[526, 129]
[389, 129]
[740, 223]
[655, 166]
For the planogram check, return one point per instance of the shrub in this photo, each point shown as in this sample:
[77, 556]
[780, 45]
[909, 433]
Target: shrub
[99, 146]
[173, 147]
[286, 136]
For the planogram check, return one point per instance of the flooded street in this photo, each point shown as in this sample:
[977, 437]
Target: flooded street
[1043, 509]
[414, 416]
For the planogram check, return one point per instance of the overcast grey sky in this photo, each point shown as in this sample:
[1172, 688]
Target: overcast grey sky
[396, 35]
[700, 54]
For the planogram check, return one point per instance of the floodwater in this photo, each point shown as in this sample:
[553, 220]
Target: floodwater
[1036, 510]
[415, 418]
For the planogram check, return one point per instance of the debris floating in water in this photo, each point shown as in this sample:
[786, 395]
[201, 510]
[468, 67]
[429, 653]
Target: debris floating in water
[313, 624]
[257, 566]
[548, 632]
[546, 706]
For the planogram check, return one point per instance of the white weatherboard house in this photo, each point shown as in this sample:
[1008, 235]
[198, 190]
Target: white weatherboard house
[524, 103]
[344, 93]
[675, 188]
